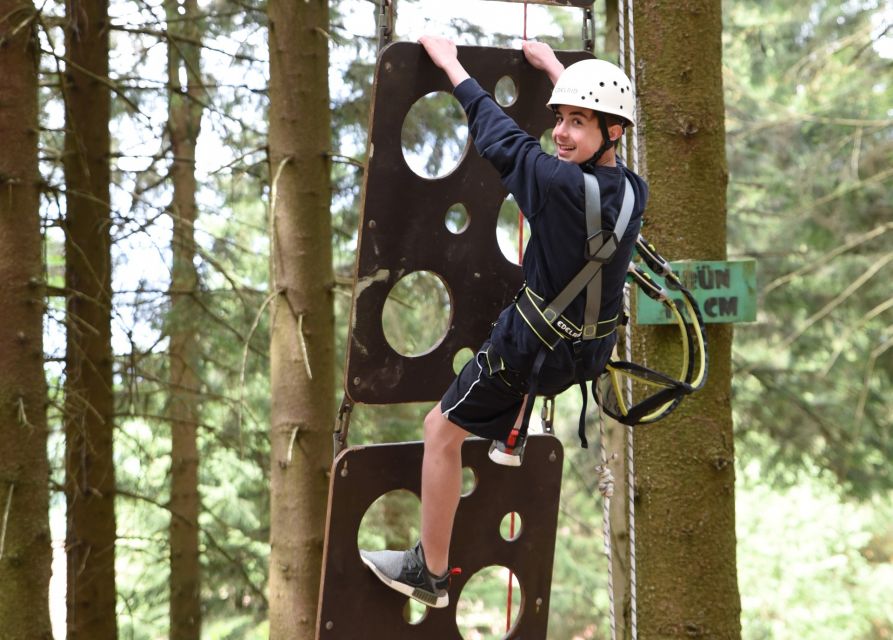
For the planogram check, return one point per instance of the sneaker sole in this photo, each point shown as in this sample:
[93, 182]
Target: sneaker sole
[505, 459]
[419, 595]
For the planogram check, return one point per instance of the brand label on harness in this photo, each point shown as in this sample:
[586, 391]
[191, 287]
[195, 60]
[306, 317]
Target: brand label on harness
[725, 290]
[569, 331]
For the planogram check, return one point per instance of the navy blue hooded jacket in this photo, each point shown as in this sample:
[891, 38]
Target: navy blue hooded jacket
[550, 192]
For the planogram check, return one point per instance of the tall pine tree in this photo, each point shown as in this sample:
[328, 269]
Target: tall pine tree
[25, 552]
[184, 122]
[302, 333]
[89, 392]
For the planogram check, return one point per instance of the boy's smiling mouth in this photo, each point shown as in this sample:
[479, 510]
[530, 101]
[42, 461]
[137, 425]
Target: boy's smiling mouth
[565, 150]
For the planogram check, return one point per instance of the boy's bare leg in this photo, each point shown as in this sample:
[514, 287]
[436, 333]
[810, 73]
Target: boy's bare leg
[442, 485]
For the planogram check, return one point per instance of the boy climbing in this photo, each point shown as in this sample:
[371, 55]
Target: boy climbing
[593, 102]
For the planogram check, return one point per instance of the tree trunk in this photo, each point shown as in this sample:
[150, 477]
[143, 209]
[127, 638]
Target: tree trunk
[302, 332]
[685, 465]
[89, 399]
[25, 552]
[184, 122]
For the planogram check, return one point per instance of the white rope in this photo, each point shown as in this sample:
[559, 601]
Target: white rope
[606, 488]
[621, 38]
[606, 502]
[626, 16]
[630, 464]
[634, 164]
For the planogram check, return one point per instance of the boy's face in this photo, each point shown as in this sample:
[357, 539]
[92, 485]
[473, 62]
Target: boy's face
[577, 135]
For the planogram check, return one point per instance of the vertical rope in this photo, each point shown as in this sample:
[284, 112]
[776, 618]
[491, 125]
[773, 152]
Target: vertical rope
[606, 487]
[631, 480]
[621, 60]
[525, 21]
[634, 156]
[630, 43]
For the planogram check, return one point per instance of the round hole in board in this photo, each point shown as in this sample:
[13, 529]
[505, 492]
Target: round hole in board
[434, 136]
[416, 314]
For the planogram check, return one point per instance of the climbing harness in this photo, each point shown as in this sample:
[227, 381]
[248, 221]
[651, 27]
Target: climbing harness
[694, 350]
[546, 321]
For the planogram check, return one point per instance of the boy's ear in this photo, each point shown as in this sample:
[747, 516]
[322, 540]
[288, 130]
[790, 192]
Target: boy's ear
[615, 131]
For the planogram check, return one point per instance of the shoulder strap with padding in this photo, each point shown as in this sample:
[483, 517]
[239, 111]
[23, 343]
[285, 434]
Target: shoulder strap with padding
[600, 248]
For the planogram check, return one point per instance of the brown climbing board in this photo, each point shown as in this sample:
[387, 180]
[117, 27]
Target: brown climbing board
[403, 230]
[354, 604]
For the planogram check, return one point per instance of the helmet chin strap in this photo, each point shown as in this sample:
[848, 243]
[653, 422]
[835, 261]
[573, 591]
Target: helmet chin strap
[607, 143]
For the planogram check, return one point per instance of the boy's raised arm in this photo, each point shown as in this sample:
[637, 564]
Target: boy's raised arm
[443, 54]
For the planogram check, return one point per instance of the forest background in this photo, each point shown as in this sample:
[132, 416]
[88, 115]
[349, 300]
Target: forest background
[809, 148]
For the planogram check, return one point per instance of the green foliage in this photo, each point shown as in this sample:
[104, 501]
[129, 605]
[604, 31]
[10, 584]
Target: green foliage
[809, 146]
[810, 563]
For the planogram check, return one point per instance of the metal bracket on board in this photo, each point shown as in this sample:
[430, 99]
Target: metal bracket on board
[385, 23]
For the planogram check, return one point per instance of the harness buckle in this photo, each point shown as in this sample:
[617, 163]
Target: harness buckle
[601, 246]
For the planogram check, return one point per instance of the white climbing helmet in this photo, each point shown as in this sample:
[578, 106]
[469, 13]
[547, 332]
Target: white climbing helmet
[598, 85]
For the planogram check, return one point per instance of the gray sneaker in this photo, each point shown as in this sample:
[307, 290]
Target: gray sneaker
[406, 572]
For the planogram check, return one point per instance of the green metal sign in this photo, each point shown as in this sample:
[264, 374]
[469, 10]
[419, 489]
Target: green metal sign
[725, 290]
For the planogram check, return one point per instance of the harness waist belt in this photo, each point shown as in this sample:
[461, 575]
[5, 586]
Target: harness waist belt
[551, 328]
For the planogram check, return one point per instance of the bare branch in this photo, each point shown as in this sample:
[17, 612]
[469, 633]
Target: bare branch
[869, 369]
[245, 360]
[5, 518]
[824, 259]
[837, 301]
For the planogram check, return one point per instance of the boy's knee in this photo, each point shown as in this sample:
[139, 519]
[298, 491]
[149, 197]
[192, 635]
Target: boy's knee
[434, 423]
[440, 432]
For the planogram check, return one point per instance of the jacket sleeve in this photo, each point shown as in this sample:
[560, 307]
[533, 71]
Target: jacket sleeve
[526, 170]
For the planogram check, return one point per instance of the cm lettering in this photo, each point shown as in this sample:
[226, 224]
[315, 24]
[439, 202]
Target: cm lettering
[718, 307]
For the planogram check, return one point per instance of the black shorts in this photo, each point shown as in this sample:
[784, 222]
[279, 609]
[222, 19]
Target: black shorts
[486, 397]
